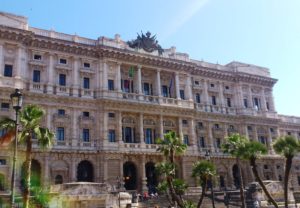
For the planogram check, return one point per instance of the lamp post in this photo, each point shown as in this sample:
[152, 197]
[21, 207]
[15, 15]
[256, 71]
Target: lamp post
[207, 157]
[16, 100]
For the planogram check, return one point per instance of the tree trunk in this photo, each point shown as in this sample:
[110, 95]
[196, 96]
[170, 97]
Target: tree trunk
[202, 193]
[288, 165]
[241, 183]
[174, 196]
[255, 173]
[26, 193]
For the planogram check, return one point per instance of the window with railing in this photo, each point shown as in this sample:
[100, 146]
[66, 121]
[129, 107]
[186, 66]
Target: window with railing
[86, 83]
[8, 70]
[149, 136]
[36, 77]
[111, 85]
[60, 133]
[186, 140]
[111, 135]
[86, 135]
[62, 80]
[202, 142]
[198, 100]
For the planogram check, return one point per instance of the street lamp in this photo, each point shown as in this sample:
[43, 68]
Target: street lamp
[16, 100]
[207, 157]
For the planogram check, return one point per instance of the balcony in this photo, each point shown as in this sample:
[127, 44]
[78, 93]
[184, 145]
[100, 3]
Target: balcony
[37, 62]
[63, 67]
[87, 71]
[86, 93]
[36, 87]
[61, 90]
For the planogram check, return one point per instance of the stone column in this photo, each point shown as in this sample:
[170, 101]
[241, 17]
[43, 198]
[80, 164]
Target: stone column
[75, 127]
[222, 101]
[104, 75]
[73, 169]
[246, 131]
[225, 130]
[105, 171]
[51, 75]
[47, 180]
[263, 100]
[250, 97]
[75, 84]
[180, 128]
[193, 134]
[20, 66]
[177, 85]
[188, 88]
[118, 77]
[255, 135]
[205, 95]
[1, 59]
[104, 133]
[49, 118]
[210, 139]
[143, 173]
[141, 128]
[158, 83]
[269, 141]
[161, 127]
[139, 79]
[239, 102]
[119, 127]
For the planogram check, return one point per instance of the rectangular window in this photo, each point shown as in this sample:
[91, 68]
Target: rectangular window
[111, 135]
[184, 122]
[8, 69]
[165, 91]
[86, 83]
[37, 57]
[181, 92]
[5, 106]
[111, 85]
[213, 100]
[218, 142]
[196, 82]
[200, 125]
[148, 136]
[228, 102]
[63, 61]
[86, 114]
[62, 80]
[2, 162]
[36, 76]
[186, 139]
[111, 115]
[86, 65]
[127, 135]
[146, 89]
[202, 142]
[298, 180]
[60, 133]
[268, 106]
[262, 140]
[245, 103]
[198, 100]
[249, 128]
[86, 135]
[61, 112]
[256, 103]
[217, 126]
[212, 85]
[126, 85]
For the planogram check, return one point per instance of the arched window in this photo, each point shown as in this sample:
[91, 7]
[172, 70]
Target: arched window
[85, 171]
[58, 179]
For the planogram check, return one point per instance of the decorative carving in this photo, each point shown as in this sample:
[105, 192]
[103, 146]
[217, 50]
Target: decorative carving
[146, 42]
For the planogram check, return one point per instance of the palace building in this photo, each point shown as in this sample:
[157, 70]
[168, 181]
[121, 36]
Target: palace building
[107, 100]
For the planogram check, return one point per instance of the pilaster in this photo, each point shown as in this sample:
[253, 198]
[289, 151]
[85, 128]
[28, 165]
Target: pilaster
[177, 85]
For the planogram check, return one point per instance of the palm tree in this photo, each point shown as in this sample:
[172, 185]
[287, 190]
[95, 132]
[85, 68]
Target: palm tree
[171, 146]
[232, 146]
[30, 122]
[205, 170]
[252, 151]
[287, 146]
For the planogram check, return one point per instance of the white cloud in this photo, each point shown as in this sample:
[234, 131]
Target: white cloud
[184, 16]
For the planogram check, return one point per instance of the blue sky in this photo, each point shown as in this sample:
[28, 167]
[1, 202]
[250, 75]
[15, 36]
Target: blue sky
[260, 32]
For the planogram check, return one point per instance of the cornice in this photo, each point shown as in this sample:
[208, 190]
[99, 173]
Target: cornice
[30, 39]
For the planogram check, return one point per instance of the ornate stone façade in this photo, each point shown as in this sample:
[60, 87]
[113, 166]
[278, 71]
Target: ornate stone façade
[107, 102]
